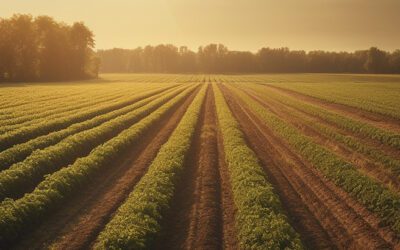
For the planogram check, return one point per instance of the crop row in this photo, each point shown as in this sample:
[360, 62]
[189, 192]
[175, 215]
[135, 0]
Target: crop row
[85, 95]
[385, 137]
[20, 151]
[137, 222]
[260, 220]
[387, 163]
[26, 133]
[11, 100]
[18, 216]
[33, 98]
[58, 109]
[366, 96]
[38, 96]
[26, 174]
[372, 194]
[12, 112]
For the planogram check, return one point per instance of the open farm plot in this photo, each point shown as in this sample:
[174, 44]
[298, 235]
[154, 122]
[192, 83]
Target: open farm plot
[157, 161]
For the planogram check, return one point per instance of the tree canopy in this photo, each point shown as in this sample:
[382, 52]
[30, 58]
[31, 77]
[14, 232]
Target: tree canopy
[216, 58]
[33, 49]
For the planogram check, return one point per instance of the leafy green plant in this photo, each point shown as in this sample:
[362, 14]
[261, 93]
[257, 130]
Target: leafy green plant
[137, 222]
[260, 221]
[17, 216]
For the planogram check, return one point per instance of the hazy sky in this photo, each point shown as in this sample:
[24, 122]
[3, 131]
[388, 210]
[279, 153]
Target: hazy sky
[239, 24]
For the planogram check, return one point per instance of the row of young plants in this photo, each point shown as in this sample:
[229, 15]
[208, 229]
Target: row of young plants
[375, 196]
[356, 95]
[19, 152]
[37, 96]
[36, 103]
[25, 175]
[66, 108]
[260, 221]
[32, 117]
[19, 216]
[23, 134]
[387, 163]
[58, 109]
[136, 223]
[68, 94]
[25, 97]
[386, 137]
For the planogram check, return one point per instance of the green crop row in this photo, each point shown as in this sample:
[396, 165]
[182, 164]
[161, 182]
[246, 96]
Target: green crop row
[137, 222]
[21, 176]
[388, 163]
[383, 136]
[25, 133]
[32, 100]
[372, 194]
[370, 96]
[20, 151]
[18, 216]
[25, 99]
[23, 122]
[55, 110]
[66, 103]
[260, 221]
[13, 112]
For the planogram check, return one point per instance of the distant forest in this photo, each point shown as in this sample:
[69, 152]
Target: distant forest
[41, 49]
[216, 58]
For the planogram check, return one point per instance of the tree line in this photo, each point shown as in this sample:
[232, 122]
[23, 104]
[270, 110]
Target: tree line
[42, 49]
[216, 58]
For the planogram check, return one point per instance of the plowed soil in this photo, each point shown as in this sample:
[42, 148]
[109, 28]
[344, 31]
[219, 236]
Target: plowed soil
[322, 213]
[368, 166]
[374, 119]
[198, 215]
[78, 223]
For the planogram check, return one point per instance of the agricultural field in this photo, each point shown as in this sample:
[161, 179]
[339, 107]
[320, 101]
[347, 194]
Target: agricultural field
[163, 161]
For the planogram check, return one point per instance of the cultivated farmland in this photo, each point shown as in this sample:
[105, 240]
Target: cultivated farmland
[139, 161]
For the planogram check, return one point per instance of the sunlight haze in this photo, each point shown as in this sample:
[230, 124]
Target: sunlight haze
[241, 25]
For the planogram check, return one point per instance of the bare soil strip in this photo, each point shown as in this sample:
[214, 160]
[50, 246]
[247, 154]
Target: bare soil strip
[369, 167]
[375, 119]
[229, 232]
[311, 200]
[194, 220]
[205, 231]
[78, 223]
[390, 151]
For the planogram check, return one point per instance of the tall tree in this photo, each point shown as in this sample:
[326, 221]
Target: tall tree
[377, 61]
[43, 49]
[82, 44]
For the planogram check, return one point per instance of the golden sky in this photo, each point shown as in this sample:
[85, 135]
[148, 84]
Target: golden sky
[239, 24]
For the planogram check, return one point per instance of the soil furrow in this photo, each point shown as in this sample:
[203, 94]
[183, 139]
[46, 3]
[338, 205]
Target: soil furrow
[194, 219]
[375, 119]
[390, 151]
[229, 232]
[205, 231]
[78, 223]
[348, 224]
[369, 167]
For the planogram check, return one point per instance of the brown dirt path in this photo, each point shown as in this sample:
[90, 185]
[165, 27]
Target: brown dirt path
[77, 224]
[195, 218]
[346, 222]
[229, 237]
[368, 166]
[390, 151]
[374, 119]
